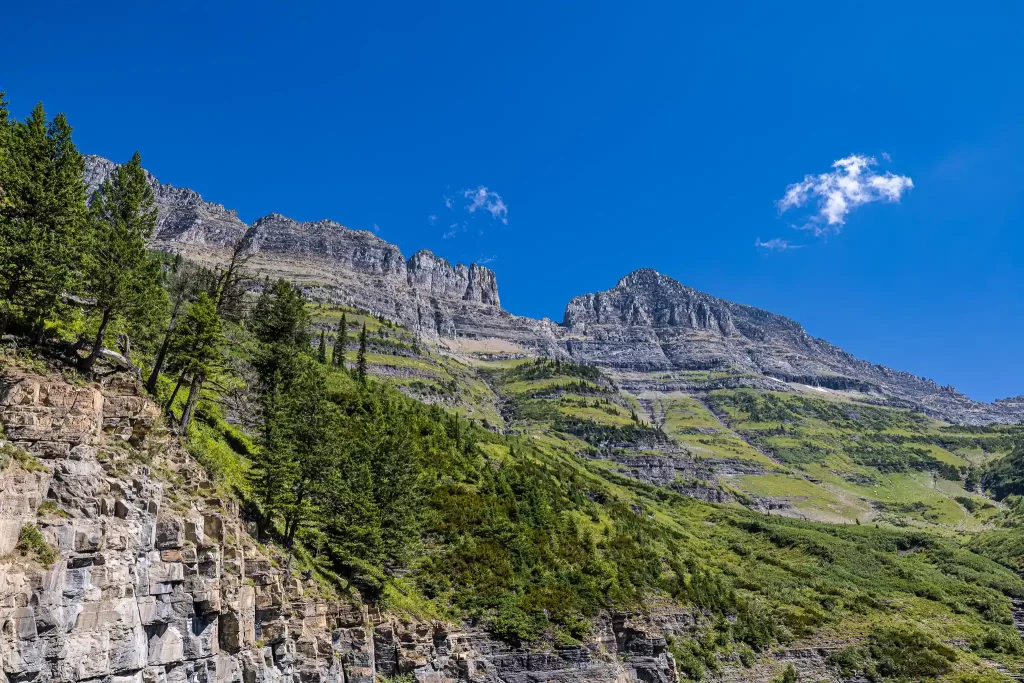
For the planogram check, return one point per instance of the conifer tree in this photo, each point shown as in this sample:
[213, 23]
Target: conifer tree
[5, 143]
[183, 284]
[340, 343]
[41, 216]
[280, 324]
[196, 349]
[231, 283]
[361, 356]
[321, 352]
[120, 276]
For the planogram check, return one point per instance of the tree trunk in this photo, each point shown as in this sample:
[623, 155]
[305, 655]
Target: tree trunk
[37, 335]
[162, 354]
[194, 390]
[85, 364]
[174, 394]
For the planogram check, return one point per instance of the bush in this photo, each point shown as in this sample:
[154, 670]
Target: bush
[31, 542]
[10, 453]
[788, 676]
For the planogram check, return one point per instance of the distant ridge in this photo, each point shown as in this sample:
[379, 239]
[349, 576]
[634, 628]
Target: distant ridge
[648, 323]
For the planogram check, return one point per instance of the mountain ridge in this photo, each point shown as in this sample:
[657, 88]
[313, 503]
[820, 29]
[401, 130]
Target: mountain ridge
[646, 323]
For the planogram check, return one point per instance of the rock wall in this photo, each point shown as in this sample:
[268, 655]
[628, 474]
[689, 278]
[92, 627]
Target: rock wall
[183, 216]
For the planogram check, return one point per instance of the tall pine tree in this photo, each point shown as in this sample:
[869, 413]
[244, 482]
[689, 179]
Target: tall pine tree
[321, 351]
[338, 358]
[196, 350]
[121, 278]
[42, 214]
[361, 357]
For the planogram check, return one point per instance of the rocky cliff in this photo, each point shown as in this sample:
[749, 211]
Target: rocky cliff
[334, 263]
[156, 579]
[185, 218]
[647, 323]
[650, 322]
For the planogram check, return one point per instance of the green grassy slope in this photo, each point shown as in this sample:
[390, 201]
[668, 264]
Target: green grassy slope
[531, 524]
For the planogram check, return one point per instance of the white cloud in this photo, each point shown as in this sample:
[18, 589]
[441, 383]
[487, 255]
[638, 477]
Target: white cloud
[376, 228]
[485, 259]
[837, 193]
[482, 198]
[453, 230]
[776, 244]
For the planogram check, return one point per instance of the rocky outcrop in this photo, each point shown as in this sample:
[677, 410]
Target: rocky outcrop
[334, 264]
[433, 275]
[325, 242]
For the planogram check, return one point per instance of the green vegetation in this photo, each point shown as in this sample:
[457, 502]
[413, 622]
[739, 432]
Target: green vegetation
[10, 453]
[898, 654]
[32, 543]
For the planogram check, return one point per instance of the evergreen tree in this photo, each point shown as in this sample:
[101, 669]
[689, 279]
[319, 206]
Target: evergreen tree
[6, 128]
[196, 350]
[231, 284]
[361, 357]
[280, 324]
[340, 343]
[321, 352]
[120, 276]
[183, 284]
[41, 216]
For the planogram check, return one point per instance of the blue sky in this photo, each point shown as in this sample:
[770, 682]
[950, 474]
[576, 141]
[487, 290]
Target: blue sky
[662, 135]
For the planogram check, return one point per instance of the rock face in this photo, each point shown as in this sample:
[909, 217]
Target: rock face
[333, 264]
[327, 242]
[646, 323]
[650, 322]
[184, 218]
[431, 274]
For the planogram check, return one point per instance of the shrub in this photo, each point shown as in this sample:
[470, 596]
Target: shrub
[31, 541]
[11, 453]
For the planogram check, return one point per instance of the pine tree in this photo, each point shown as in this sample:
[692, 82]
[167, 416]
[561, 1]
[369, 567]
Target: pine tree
[361, 356]
[231, 283]
[340, 343]
[120, 276]
[42, 214]
[5, 145]
[280, 324]
[196, 350]
[321, 353]
[183, 284]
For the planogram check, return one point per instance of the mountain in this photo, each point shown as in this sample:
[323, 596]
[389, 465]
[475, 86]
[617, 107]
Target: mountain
[653, 331]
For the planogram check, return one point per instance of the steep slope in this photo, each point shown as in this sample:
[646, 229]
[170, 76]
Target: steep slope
[143, 570]
[186, 221]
